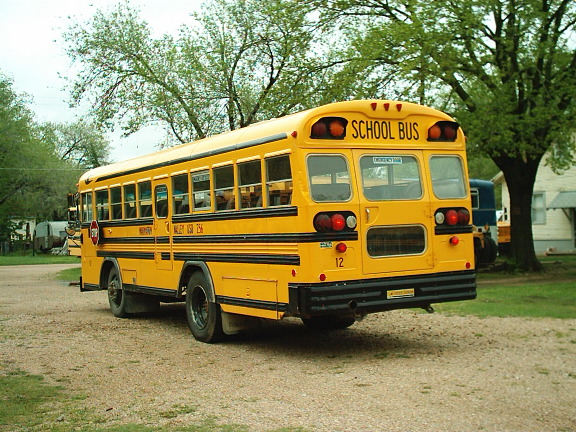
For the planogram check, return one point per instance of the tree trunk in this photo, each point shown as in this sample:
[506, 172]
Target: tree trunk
[520, 176]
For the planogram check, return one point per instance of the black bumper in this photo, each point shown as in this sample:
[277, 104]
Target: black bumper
[376, 295]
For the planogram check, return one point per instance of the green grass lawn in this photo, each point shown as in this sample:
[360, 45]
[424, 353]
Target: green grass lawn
[549, 294]
[38, 258]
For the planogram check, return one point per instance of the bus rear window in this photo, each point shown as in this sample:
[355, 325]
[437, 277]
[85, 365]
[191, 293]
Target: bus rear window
[447, 177]
[329, 178]
[390, 177]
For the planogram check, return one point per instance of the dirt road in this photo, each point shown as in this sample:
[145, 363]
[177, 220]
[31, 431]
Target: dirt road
[396, 371]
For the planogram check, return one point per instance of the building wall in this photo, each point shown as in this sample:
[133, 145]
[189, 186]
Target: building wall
[557, 232]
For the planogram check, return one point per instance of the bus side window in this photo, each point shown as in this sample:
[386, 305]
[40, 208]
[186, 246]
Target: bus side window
[224, 188]
[201, 190]
[145, 199]
[87, 207]
[102, 210]
[161, 196]
[180, 194]
[116, 202]
[129, 201]
[250, 184]
[279, 181]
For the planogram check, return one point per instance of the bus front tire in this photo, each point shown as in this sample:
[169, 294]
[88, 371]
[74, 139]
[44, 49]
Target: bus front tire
[116, 295]
[204, 317]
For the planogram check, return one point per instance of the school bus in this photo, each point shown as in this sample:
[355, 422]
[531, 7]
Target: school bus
[325, 215]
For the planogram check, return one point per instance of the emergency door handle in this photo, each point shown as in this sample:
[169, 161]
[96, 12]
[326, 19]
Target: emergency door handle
[367, 215]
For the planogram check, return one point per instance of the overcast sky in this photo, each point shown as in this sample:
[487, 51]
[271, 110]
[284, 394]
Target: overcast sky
[32, 54]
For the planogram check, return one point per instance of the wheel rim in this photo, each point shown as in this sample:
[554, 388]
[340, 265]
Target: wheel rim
[114, 291]
[199, 307]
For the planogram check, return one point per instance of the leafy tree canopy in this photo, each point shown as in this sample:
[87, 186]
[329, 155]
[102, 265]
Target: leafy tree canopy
[244, 61]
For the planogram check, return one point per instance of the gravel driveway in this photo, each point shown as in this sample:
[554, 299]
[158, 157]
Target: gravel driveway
[394, 371]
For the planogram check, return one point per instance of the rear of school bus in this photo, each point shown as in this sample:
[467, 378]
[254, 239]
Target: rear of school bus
[387, 195]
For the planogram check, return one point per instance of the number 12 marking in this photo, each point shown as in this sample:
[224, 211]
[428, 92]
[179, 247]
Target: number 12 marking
[340, 262]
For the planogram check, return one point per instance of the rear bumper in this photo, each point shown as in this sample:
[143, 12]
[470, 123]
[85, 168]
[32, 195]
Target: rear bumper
[381, 294]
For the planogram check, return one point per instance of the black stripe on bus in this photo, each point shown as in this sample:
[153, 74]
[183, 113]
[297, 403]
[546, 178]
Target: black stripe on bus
[237, 214]
[126, 254]
[268, 238]
[204, 217]
[237, 258]
[150, 290]
[250, 303]
[237, 238]
[441, 229]
[251, 143]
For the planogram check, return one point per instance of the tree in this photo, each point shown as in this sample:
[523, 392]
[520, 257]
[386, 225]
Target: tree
[33, 179]
[505, 68]
[243, 62]
[80, 144]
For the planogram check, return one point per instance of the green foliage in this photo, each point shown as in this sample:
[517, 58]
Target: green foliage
[34, 180]
[243, 61]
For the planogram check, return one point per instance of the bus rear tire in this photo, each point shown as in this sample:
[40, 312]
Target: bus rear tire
[116, 295]
[329, 322]
[204, 317]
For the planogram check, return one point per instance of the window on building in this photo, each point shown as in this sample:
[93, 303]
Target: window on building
[539, 208]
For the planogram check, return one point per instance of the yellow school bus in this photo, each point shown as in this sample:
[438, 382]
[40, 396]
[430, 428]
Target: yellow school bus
[326, 215]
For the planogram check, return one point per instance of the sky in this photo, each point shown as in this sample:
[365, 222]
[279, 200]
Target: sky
[32, 54]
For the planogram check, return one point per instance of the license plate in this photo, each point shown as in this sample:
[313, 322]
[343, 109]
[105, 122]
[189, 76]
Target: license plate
[394, 294]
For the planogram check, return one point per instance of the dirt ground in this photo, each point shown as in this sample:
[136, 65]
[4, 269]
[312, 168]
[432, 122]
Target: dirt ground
[395, 371]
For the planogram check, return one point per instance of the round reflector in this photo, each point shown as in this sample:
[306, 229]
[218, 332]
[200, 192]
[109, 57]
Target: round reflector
[463, 217]
[451, 217]
[319, 129]
[341, 247]
[336, 128]
[322, 277]
[434, 132]
[454, 240]
[338, 222]
[322, 222]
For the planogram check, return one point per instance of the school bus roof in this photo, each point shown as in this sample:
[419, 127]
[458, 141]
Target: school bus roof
[258, 133]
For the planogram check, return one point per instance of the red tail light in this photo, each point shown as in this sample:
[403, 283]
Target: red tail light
[334, 221]
[463, 217]
[322, 222]
[338, 222]
[452, 216]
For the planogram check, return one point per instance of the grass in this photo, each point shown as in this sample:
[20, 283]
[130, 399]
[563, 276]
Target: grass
[28, 403]
[39, 258]
[550, 294]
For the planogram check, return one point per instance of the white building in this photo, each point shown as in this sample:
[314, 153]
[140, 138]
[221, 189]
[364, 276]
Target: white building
[553, 209]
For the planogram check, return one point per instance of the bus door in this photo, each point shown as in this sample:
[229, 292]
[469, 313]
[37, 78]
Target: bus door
[162, 228]
[395, 222]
